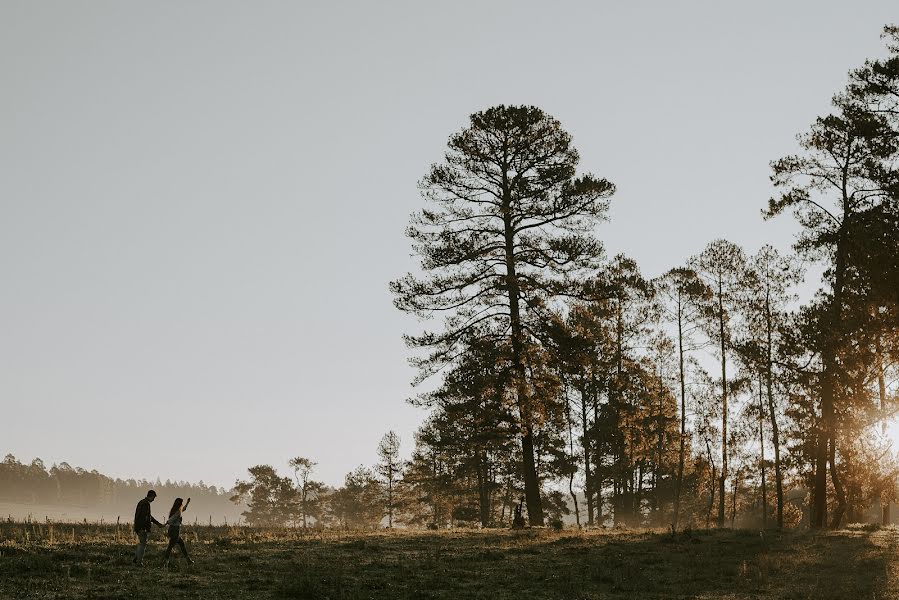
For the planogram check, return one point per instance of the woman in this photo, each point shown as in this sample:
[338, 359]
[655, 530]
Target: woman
[174, 524]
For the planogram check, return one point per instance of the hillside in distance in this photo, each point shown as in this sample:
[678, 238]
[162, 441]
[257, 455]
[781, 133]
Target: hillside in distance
[65, 493]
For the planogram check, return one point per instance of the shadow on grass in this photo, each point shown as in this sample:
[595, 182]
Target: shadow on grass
[533, 564]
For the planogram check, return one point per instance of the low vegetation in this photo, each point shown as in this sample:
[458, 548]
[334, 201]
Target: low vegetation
[94, 561]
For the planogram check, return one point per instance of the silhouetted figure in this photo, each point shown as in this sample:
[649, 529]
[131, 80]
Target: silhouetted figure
[518, 519]
[174, 524]
[143, 521]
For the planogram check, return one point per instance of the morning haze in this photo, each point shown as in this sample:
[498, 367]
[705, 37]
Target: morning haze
[202, 204]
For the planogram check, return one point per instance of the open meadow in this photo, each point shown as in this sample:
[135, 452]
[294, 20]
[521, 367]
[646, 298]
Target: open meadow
[94, 561]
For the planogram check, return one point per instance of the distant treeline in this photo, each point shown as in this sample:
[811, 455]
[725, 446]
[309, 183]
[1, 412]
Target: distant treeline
[77, 491]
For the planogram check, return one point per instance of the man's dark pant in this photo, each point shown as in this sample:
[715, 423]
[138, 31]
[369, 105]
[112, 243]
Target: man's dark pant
[141, 545]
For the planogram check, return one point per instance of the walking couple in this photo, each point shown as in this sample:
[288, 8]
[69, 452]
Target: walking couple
[143, 521]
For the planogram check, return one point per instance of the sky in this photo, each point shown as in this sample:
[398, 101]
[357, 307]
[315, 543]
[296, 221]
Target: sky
[202, 202]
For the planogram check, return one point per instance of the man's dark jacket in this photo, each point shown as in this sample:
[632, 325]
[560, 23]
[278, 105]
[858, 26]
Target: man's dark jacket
[143, 520]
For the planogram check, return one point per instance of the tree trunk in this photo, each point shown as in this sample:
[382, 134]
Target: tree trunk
[656, 472]
[636, 508]
[597, 463]
[390, 496]
[772, 413]
[733, 510]
[819, 497]
[723, 475]
[827, 433]
[507, 501]
[840, 494]
[531, 480]
[712, 482]
[762, 457]
[881, 385]
[619, 451]
[303, 505]
[483, 490]
[577, 512]
[585, 443]
[683, 416]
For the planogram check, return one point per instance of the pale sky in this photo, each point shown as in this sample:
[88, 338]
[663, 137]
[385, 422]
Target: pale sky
[202, 203]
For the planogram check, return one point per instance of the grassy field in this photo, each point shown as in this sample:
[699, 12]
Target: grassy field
[89, 561]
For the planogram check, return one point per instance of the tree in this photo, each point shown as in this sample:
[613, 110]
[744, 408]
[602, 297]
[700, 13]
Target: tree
[769, 276]
[511, 227]
[662, 421]
[270, 499]
[428, 482]
[357, 505]
[625, 300]
[570, 356]
[474, 420]
[707, 405]
[875, 86]
[581, 342]
[683, 295]
[309, 490]
[842, 162]
[720, 265]
[390, 468]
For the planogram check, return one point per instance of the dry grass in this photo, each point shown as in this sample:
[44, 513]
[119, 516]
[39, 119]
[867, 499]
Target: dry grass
[243, 563]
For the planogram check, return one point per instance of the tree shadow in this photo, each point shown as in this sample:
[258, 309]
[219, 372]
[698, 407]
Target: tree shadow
[703, 564]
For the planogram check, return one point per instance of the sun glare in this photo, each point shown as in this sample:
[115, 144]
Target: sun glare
[890, 432]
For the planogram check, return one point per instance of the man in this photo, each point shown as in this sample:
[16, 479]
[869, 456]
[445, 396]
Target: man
[143, 521]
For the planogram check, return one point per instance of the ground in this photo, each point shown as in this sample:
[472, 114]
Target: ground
[92, 561]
